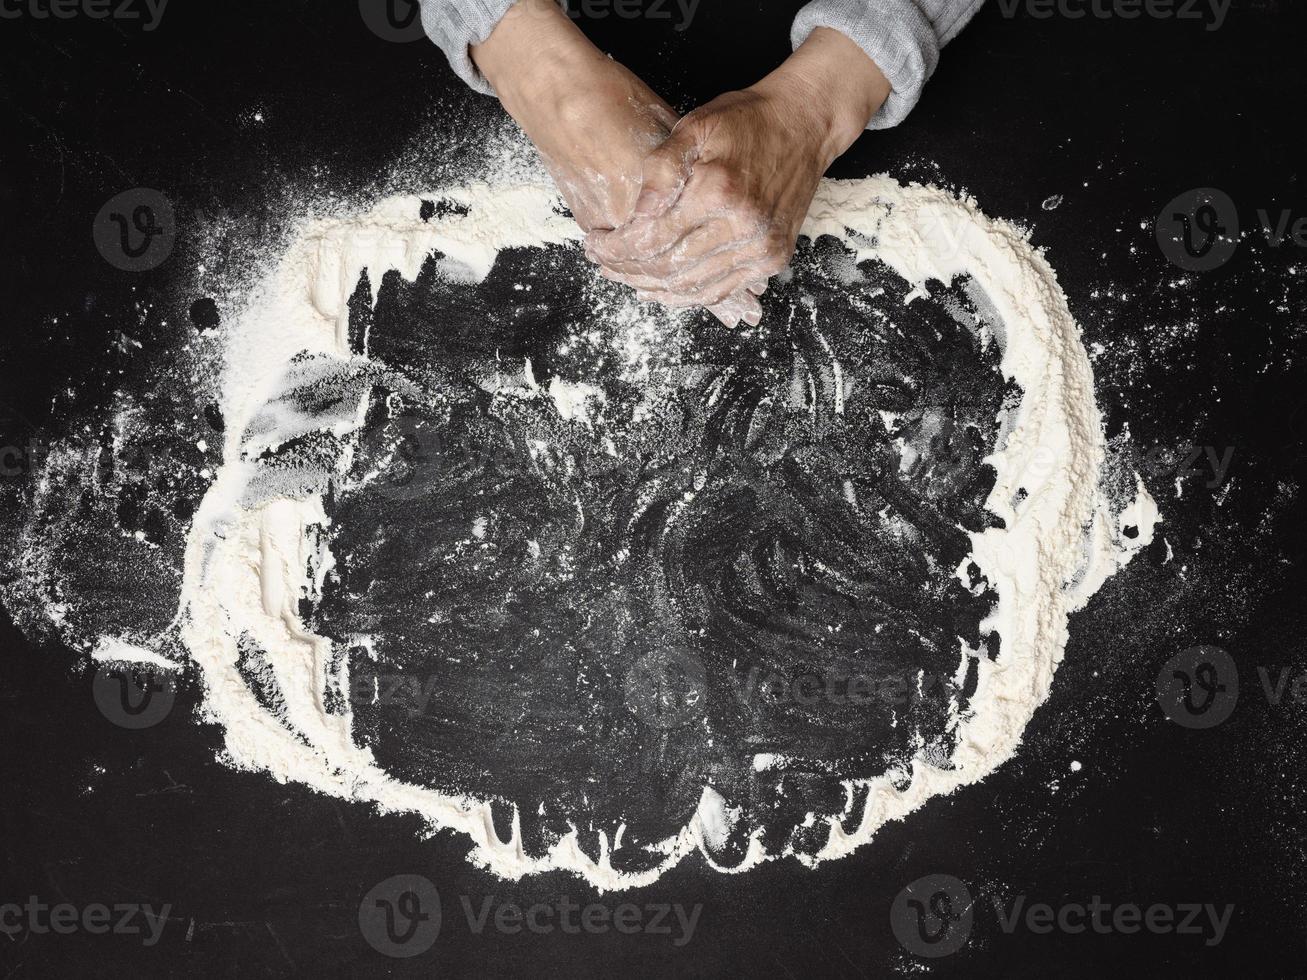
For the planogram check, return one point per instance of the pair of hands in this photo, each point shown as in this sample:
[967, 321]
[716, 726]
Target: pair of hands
[695, 212]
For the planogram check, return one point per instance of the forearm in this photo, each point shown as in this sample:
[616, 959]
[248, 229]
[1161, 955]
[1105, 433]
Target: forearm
[535, 55]
[834, 87]
[591, 119]
[903, 38]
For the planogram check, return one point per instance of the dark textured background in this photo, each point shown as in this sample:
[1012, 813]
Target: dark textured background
[1119, 116]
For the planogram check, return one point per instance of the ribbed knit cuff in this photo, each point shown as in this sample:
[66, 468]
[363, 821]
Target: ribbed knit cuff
[456, 25]
[894, 33]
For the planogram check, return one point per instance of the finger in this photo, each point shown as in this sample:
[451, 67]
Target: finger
[666, 170]
[641, 239]
[759, 287]
[674, 300]
[698, 244]
[705, 198]
[740, 306]
[709, 295]
[707, 275]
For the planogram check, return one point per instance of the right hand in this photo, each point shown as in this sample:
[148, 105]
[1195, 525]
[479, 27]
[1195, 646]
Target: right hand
[591, 119]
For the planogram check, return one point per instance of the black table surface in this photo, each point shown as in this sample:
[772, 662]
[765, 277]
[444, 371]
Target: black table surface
[232, 109]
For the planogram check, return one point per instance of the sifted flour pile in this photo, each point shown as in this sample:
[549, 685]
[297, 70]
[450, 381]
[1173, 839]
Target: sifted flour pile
[259, 551]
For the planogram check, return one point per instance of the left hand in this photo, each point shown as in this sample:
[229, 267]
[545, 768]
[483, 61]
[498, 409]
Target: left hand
[722, 201]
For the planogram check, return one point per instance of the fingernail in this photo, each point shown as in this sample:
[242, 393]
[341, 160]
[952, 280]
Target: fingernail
[752, 318]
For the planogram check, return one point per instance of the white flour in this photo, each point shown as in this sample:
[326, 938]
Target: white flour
[247, 566]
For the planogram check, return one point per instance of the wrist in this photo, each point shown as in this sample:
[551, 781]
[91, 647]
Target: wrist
[536, 59]
[831, 81]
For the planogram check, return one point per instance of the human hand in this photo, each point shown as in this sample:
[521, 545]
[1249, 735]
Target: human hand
[723, 199]
[593, 121]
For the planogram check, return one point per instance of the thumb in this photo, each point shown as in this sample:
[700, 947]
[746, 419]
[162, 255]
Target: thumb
[666, 170]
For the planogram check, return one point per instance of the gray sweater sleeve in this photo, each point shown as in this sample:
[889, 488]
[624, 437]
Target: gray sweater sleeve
[903, 37]
[456, 25]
